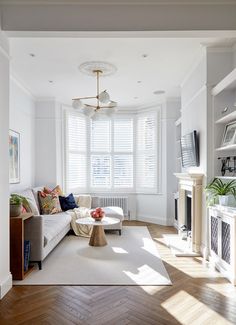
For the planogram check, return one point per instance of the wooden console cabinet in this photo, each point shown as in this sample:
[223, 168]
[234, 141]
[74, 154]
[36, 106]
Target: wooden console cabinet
[222, 241]
[17, 246]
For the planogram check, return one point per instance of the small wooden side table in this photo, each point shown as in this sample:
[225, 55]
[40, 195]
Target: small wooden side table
[17, 246]
[98, 237]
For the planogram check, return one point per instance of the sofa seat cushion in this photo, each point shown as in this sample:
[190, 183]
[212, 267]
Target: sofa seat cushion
[114, 212]
[54, 224]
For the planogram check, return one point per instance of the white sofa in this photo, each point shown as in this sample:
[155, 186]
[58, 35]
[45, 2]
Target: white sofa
[45, 231]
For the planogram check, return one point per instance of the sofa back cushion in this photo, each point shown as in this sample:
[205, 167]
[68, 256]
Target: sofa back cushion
[32, 205]
[35, 191]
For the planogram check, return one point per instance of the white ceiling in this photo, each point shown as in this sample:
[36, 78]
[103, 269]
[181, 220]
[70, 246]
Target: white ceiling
[57, 59]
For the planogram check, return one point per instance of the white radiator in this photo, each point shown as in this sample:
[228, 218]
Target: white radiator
[118, 201]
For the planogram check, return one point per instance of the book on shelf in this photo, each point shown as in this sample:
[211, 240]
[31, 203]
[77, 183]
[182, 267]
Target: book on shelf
[26, 254]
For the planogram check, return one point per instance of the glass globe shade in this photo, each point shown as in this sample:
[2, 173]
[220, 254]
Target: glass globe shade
[112, 104]
[88, 111]
[104, 97]
[77, 104]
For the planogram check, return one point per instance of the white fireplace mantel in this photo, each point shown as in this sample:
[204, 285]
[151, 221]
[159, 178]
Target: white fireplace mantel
[194, 177]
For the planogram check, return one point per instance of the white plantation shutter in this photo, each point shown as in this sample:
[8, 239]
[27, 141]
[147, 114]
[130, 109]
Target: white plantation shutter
[76, 157]
[123, 171]
[101, 171]
[146, 152]
[123, 135]
[123, 153]
[100, 135]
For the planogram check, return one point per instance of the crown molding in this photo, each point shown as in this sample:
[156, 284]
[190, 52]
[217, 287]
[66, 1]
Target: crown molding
[45, 99]
[124, 34]
[21, 85]
[194, 66]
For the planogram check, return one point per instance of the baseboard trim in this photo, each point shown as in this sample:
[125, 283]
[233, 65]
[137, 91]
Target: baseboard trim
[155, 220]
[5, 286]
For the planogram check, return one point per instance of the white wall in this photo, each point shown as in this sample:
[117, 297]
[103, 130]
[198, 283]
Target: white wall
[5, 276]
[22, 120]
[159, 208]
[48, 133]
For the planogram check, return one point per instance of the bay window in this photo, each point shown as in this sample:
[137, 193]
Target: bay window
[115, 155]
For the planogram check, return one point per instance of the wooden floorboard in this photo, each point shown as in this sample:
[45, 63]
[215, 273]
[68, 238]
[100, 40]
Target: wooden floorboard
[199, 296]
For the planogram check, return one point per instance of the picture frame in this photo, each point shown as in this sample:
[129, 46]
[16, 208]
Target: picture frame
[14, 157]
[229, 137]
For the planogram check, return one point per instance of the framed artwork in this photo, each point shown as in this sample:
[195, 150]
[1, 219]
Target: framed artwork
[229, 136]
[14, 157]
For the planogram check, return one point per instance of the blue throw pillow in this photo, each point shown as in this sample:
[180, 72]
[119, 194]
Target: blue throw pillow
[68, 202]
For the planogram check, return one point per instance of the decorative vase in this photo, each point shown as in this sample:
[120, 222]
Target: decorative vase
[15, 210]
[223, 200]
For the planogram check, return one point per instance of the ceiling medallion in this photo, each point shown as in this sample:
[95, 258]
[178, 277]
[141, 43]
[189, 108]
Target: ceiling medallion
[96, 69]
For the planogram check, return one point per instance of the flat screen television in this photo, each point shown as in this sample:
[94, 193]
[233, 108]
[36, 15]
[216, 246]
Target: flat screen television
[190, 149]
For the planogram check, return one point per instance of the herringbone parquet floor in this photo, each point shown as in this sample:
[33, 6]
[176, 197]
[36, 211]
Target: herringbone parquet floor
[199, 296]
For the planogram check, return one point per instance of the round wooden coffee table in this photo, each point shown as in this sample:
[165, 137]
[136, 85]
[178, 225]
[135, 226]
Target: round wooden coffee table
[98, 237]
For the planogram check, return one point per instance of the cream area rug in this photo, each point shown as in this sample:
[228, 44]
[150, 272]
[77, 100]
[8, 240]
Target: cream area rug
[129, 259]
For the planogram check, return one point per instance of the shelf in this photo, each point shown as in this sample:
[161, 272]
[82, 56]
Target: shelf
[226, 177]
[229, 82]
[30, 269]
[227, 118]
[231, 147]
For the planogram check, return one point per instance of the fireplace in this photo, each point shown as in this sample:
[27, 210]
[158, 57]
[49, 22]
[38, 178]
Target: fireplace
[188, 212]
[190, 207]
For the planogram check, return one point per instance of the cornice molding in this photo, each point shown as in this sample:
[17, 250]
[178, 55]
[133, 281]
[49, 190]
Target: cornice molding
[21, 85]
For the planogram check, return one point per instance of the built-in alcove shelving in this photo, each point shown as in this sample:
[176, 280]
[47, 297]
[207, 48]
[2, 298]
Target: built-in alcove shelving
[224, 112]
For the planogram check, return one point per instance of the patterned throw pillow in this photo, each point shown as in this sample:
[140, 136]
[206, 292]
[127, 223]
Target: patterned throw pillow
[57, 190]
[49, 203]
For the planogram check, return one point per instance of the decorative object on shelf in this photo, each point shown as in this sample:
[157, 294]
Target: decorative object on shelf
[14, 157]
[219, 190]
[15, 205]
[97, 214]
[97, 69]
[226, 165]
[229, 136]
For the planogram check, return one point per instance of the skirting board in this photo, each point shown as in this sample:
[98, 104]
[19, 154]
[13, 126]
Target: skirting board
[5, 286]
[155, 220]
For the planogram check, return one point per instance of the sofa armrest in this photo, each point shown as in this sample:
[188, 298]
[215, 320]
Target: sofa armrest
[35, 234]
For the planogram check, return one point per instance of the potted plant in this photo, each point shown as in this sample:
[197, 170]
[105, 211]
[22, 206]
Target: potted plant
[15, 205]
[220, 190]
